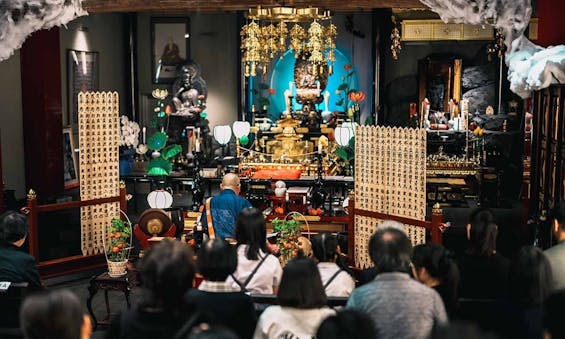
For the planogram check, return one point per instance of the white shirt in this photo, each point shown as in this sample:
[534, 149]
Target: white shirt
[268, 275]
[287, 322]
[342, 285]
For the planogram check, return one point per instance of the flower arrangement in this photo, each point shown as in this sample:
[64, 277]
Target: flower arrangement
[119, 245]
[287, 240]
[129, 133]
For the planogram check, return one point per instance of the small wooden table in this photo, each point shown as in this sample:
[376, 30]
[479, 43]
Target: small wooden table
[106, 283]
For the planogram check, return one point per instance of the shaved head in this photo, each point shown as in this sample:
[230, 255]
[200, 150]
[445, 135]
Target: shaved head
[230, 181]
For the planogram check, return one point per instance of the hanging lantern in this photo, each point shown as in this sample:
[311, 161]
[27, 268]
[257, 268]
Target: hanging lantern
[160, 199]
[343, 135]
[222, 134]
[241, 129]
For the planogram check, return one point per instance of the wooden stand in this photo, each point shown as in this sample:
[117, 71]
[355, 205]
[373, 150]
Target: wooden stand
[66, 265]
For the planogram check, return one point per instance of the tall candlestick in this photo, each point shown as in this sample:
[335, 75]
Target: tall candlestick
[197, 145]
[326, 100]
[144, 132]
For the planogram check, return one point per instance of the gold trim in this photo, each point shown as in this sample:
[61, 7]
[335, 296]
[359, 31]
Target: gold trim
[31, 195]
[436, 209]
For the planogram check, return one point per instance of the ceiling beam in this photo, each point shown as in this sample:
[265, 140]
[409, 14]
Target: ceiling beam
[165, 6]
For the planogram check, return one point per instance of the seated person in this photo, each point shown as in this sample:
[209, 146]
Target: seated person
[484, 272]
[54, 315]
[16, 266]
[220, 212]
[166, 272]
[257, 271]
[215, 298]
[335, 277]
[302, 304]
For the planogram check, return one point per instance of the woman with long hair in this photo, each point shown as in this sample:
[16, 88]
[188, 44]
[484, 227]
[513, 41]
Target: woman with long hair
[435, 268]
[257, 271]
[302, 304]
[484, 272]
[336, 279]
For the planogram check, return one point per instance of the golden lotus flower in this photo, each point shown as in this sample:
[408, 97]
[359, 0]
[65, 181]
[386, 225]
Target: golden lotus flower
[160, 93]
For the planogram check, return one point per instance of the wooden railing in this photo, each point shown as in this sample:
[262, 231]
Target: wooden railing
[71, 264]
[432, 227]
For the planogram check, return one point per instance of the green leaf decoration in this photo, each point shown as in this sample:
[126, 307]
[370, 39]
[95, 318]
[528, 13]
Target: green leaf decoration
[352, 143]
[342, 153]
[369, 120]
[203, 115]
[244, 140]
[171, 151]
[342, 87]
[157, 141]
[159, 166]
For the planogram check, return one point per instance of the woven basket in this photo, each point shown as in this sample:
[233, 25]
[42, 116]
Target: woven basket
[117, 268]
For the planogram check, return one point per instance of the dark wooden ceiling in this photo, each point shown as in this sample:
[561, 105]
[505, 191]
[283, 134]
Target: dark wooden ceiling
[101, 6]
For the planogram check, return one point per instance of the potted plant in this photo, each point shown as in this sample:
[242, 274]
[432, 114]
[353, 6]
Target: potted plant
[119, 246]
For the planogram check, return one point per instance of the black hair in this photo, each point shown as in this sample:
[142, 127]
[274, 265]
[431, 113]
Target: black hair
[559, 214]
[531, 277]
[347, 324]
[13, 227]
[483, 233]
[55, 314]
[250, 230]
[553, 314]
[301, 285]
[217, 259]
[324, 246]
[390, 251]
[440, 265]
[166, 272]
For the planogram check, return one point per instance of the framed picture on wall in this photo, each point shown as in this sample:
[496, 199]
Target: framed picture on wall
[70, 168]
[169, 47]
[82, 73]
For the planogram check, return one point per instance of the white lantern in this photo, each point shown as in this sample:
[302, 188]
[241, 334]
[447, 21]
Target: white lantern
[241, 129]
[350, 125]
[343, 135]
[222, 134]
[160, 199]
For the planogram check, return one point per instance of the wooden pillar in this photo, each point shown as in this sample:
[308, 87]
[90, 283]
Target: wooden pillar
[31, 209]
[351, 230]
[42, 112]
[437, 220]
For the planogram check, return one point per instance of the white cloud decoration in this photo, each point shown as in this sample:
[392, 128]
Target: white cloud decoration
[20, 18]
[530, 67]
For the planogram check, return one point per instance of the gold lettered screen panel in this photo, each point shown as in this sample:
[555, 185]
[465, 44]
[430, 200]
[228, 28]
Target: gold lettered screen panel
[390, 178]
[99, 137]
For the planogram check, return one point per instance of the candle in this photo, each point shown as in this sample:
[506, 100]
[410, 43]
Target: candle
[197, 145]
[326, 100]
[320, 148]
[144, 131]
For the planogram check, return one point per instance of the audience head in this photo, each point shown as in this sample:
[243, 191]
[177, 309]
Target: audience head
[559, 220]
[231, 181]
[434, 265]
[553, 315]
[390, 251]
[13, 228]
[217, 259]
[301, 285]
[324, 246]
[55, 314]
[391, 224]
[166, 272]
[530, 277]
[250, 230]
[482, 232]
[347, 324]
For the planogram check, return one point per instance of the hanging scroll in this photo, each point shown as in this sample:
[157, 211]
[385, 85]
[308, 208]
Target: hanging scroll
[390, 178]
[99, 137]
